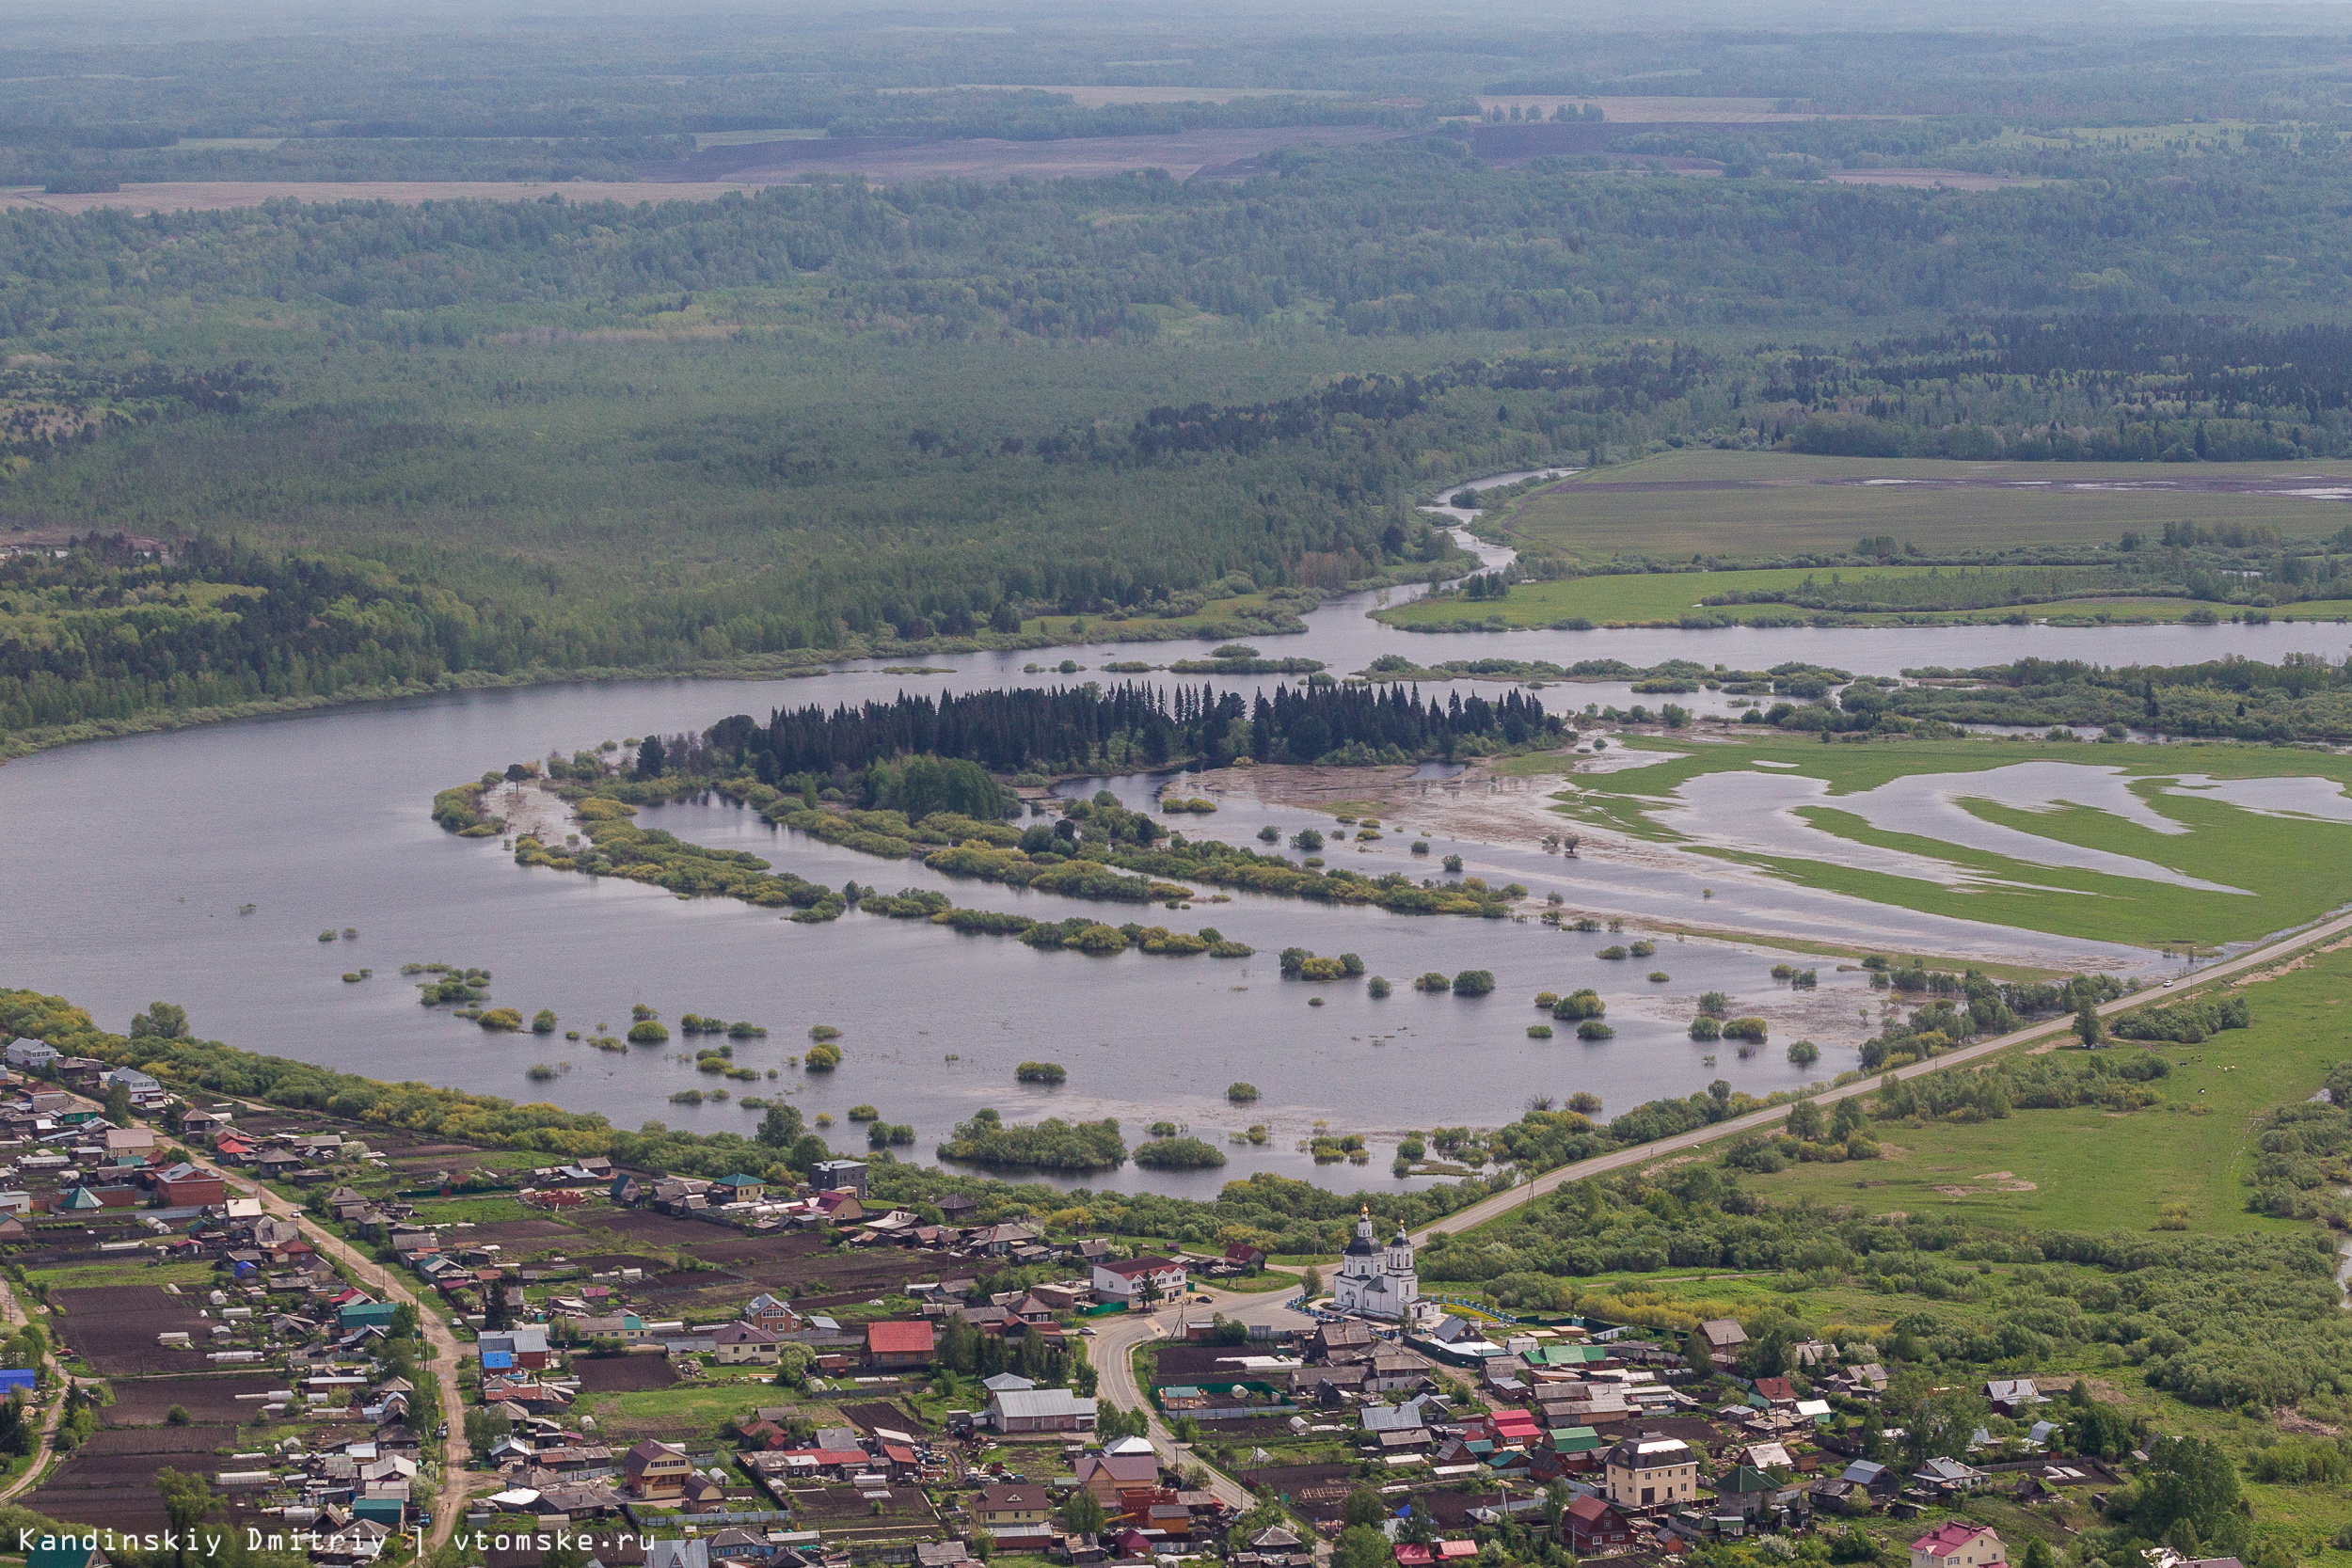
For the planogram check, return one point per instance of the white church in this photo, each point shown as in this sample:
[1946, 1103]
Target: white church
[1376, 1281]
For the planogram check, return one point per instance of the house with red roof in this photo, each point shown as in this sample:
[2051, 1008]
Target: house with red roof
[1593, 1529]
[896, 1344]
[1514, 1426]
[1125, 1280]
[1958, 1545]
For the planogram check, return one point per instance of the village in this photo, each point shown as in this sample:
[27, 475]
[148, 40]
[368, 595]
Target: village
[362, 1343]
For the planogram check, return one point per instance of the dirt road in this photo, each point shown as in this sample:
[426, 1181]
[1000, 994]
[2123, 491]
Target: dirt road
[56, 1413]
[446, 1354]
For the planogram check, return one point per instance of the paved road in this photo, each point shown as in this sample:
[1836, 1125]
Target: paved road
[55, 1414]
[1478, 1214]
[1115, 1338]
[446, 1355]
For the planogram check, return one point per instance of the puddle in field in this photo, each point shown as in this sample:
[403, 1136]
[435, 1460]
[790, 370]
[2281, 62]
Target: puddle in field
[1625, 761]
[2317, 798]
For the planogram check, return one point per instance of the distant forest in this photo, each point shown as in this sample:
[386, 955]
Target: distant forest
[387, 447]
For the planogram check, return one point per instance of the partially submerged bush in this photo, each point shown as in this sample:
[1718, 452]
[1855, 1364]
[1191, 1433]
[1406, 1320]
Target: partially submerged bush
[1579, 1005]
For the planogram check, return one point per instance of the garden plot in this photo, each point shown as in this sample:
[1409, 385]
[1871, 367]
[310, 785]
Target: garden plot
[623, 1374]
[1318, 1490]
[901, 1513]
[145, 1401]
[884, 1416]
[114, 1328]
[109, 1484]
[166, 1440]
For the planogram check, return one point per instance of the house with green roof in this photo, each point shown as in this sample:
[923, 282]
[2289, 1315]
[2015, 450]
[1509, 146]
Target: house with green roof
[1745, 1492]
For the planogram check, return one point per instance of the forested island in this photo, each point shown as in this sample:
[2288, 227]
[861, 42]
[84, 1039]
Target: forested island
[903, 781]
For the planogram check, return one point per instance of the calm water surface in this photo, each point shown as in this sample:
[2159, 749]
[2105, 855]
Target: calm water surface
[125, 864]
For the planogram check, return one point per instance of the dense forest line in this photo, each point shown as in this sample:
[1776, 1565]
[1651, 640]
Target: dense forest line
[2302, 698]
[1072, 729]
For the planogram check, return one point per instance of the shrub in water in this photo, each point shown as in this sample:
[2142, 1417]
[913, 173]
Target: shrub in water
[1577, 1004]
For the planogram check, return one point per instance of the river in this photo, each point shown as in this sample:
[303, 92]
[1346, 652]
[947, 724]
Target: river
[128, 862]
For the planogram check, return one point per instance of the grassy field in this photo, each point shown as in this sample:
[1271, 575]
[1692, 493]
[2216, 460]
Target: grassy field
[2289, 864]
[1776, 511]
[2098, 1170]
[703, 1405]
[1634, 598]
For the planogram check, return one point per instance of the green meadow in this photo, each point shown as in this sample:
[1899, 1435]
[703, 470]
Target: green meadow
[1631, 598]
[2094, 1169]
[2290, 865]
[1778, 506]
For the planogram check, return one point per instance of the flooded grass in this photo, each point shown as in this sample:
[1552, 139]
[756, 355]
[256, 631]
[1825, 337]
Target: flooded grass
[2155, 846]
